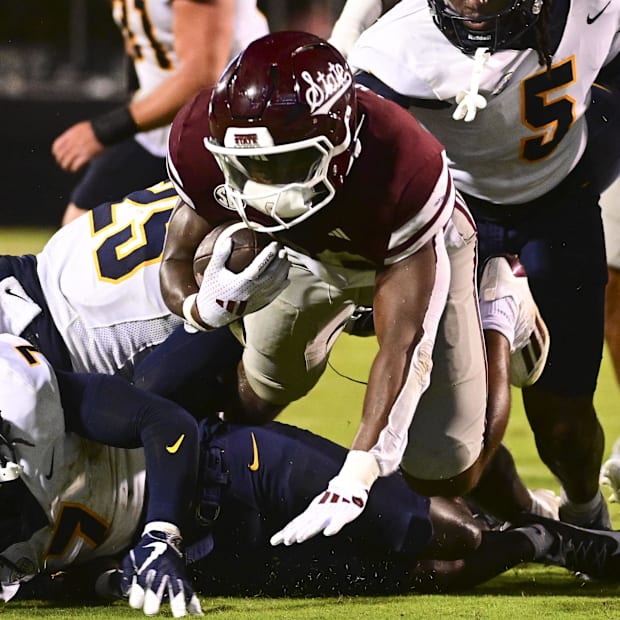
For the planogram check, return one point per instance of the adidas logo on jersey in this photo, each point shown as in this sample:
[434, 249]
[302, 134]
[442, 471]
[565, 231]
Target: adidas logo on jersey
[339, 234]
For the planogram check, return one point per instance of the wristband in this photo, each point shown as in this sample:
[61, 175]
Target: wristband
[360, 466]
[161, 526]
[114, 126]
[188, 304]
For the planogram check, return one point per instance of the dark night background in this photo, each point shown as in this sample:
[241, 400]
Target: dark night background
[62, 61]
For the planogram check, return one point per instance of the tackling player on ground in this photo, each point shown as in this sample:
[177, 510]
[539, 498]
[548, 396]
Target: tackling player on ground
[95, 471]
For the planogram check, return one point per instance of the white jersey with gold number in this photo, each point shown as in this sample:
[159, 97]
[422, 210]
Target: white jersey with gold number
[100, 278]
[532, 131]
[85, 520]
[147, 27]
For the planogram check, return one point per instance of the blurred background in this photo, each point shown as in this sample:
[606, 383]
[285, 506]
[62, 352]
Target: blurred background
[62, 61]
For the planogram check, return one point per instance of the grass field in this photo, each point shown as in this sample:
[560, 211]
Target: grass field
[333, 410]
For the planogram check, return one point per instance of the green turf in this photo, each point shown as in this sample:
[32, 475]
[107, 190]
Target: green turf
[333, 409]
[23, 240]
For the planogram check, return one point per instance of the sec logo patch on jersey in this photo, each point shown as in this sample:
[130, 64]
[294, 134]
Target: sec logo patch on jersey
[221, 197]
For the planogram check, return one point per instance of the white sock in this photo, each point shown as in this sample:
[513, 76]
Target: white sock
[579, 513]
[500, 315]
[542, 508]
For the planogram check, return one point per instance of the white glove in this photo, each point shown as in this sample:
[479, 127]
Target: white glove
[342, 502]
[225, 296]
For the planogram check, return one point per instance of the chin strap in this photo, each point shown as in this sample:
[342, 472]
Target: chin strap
[469, 101]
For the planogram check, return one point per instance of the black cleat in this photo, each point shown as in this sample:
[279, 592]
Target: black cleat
[595, 553]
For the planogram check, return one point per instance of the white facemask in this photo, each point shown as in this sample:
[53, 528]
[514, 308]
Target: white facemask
[276, 201]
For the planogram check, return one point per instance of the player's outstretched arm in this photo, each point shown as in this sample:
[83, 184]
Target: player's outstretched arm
[402, 296]
[109, 410]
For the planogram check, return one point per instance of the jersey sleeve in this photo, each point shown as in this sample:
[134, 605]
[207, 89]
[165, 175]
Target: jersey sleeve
[614, 48]
[429, 220]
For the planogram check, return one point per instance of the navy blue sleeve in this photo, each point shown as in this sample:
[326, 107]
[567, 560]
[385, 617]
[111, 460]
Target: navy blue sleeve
[381, 88]
[109, 410]
[609, 75]
[192, 369]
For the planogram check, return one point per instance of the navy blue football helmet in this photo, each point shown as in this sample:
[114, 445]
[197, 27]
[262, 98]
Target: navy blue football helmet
[495, 29]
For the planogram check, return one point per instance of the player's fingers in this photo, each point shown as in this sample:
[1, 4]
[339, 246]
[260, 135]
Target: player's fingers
[264, 260]
[286, 535]
[334, 526]
[152, 599]
[277, 539]
[194, 607]
[221, 252]
[177, 601]
[277, 269]
[136, 595]
[152, 603]
[312, 525]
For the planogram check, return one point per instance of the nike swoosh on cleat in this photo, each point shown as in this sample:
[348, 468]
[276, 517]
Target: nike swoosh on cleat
[253, 466]
[173, 449]
[591, 20]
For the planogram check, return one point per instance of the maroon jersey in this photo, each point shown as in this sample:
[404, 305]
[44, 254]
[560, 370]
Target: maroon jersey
[397, 195]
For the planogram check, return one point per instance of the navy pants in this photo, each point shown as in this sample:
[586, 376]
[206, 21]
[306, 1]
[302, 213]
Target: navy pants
[268, 475]
[559, 239]
[119, 170]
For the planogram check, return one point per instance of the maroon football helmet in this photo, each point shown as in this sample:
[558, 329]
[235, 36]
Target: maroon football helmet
[497, 29]
[282, 119]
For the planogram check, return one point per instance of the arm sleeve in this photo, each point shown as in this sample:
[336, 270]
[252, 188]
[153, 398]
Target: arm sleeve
[198, 383]
[356, 16]
[381, 88]
[609, 75]
[109, 410]
[392, 441]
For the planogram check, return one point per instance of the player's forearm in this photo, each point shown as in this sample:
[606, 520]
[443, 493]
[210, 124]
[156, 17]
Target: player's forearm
[396, 382]
[186, 230]
[177, 283]
[108, 410]
[409, 299]
[160, 106]
[203, 34]
[356, 16]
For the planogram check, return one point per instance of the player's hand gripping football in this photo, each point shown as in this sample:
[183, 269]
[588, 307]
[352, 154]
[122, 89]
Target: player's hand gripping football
[342, 502]
[154, 571]
[225, 296]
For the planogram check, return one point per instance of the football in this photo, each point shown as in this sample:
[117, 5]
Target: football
[247, 244]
